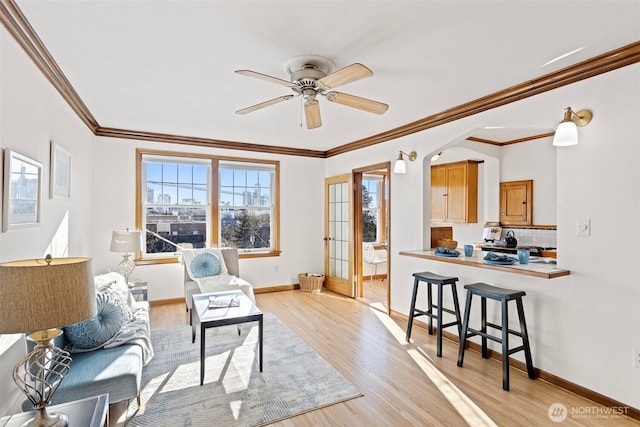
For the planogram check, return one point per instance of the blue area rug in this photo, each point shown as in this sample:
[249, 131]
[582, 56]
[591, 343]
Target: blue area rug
[295, 379]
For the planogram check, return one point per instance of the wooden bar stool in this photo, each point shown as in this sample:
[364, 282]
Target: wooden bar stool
[485, 291]
[440, 281]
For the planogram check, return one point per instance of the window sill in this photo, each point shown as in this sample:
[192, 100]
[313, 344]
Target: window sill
[154, 261]
[176, 260]
[258, 254]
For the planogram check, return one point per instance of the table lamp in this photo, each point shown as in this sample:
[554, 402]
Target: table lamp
[126, 241]
[39, 297]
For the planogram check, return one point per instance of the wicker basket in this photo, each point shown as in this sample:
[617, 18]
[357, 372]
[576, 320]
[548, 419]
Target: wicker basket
[446, 243]
[310, 283]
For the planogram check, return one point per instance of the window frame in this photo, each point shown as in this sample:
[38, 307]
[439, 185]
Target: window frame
[381, 202]
[214, 205]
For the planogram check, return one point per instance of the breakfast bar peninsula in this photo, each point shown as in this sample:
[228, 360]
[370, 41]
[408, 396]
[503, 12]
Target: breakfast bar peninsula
[537, 267]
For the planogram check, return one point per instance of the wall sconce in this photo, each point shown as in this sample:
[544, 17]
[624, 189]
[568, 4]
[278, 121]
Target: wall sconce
[567, 131]
[400, 166]
[436, 156]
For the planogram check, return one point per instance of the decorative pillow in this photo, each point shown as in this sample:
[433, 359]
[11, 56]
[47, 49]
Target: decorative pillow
[205, 265]
[115, 285]
[98, 330]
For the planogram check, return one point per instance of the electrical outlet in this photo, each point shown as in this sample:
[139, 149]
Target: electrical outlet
[636, 357]
[583, 227]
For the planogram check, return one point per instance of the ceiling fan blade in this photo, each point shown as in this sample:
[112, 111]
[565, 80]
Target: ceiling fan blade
[312, 114]
[265, 104]
[345, 75]
[357, 102]
[261, 76]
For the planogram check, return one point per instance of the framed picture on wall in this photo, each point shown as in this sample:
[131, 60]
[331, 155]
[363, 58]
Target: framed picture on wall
[21, 198]
[60, 179]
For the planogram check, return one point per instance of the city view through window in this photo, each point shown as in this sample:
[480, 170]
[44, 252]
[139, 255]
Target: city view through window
[178, 209]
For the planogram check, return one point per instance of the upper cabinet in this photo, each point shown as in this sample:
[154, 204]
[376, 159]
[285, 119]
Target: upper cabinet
[516, 203]
[454, 192]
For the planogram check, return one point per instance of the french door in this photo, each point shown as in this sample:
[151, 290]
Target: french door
[338, 235]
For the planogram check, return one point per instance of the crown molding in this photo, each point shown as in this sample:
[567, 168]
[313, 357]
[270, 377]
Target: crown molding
[205, 142]
[511, 141]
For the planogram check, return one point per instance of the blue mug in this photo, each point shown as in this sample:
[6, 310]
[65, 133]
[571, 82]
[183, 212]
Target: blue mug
[468, 250]
[523, 256]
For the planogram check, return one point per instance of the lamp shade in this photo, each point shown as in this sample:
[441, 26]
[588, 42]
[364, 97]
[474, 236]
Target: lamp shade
[38, 294]
[126, 241]
[566, 134]
[400, 166]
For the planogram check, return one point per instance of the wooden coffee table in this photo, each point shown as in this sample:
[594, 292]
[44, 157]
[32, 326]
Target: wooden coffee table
[213, 317]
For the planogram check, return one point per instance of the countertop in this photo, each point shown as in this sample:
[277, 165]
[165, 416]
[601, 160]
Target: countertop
[543, 270]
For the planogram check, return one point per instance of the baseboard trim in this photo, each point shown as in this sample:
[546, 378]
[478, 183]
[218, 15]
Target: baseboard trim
[166, 301]
[630, 411]
[278, 288]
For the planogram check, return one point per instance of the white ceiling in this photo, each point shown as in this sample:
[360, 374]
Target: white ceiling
[168, 66]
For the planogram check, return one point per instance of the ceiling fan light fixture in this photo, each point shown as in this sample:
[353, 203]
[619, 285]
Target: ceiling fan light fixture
[312, 114]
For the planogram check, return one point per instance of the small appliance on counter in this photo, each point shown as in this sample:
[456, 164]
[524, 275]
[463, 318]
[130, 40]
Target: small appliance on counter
[491, 233]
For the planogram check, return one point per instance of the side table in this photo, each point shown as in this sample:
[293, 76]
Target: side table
[89, 412]
[139, 289]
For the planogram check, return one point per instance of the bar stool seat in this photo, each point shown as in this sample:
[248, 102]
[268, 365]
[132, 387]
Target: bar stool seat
[434, 279]
[485, 291]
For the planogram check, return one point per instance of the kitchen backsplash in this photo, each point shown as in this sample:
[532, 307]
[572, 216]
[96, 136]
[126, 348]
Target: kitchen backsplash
[545, 238]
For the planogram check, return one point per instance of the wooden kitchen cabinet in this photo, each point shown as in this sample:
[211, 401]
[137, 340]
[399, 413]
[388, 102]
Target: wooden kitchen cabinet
[516, 203]
[454, 192]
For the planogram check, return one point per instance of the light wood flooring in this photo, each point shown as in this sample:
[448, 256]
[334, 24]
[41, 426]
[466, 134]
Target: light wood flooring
[374, 292]
[406, 384]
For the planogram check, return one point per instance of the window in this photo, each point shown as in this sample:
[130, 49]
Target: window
[176, 203]
[246, 207]
[373, 209]
[202, 201]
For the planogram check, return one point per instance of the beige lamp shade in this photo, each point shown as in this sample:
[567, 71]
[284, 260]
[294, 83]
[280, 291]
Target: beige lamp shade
[39, 294]
[126, 241]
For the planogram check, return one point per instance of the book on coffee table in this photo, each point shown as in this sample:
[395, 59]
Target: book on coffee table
[224, 301]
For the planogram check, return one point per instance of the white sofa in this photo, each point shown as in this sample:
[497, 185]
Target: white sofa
[227, 278]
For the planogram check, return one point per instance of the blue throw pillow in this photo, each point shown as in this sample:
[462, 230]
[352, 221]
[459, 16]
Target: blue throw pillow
[98, 330]
[205, 265]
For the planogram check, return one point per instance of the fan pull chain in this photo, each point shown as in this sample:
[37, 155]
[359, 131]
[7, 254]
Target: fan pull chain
[301, 107]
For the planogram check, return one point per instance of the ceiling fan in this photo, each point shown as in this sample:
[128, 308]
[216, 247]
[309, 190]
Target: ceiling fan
[313, 75]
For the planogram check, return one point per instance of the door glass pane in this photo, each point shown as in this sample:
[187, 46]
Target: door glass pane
[339, 230]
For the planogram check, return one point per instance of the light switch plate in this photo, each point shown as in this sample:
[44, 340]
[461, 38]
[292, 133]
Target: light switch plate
[583, 227]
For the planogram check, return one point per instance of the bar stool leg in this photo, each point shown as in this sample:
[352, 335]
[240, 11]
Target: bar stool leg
[439, 336]
[505, 345]
[483, 326]
[430, 307]
[465, 325]
[525, 339]
[456, 306]
[412, 308]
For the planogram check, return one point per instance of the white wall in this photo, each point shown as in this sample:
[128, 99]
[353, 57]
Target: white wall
[583, 326]
[534, 160]
[301, 216]
[32, 114]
